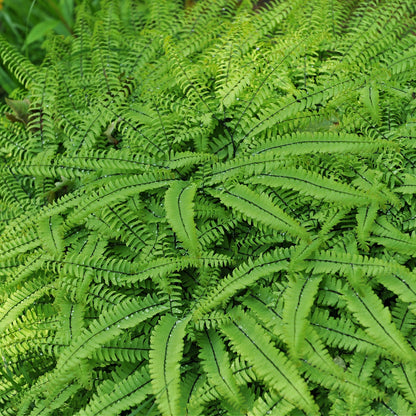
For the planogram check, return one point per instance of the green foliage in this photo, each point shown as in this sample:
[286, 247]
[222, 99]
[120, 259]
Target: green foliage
[209, 210]
[26, 24]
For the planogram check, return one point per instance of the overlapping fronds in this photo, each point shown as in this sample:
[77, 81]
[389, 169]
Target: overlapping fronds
[207, 208]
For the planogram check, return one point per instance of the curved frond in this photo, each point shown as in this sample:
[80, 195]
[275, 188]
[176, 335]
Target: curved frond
[179, 212]
[164, 362]
[270, 363]
[299, 298]
[216, 364]
[260, 208]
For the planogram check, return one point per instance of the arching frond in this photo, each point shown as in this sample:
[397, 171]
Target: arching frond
[216, 364]
[268, 362]
[178, 205]
[296, 311]
[260, 208]
[164, 362]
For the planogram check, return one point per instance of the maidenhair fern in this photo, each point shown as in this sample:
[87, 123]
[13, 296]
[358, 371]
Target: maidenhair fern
[207, 209]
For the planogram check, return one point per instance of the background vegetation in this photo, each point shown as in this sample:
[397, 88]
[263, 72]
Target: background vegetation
[26, 23]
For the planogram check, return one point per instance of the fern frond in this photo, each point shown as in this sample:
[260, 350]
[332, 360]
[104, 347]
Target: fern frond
[255, 346]
[314, 185]
[119, 396]
[28, 294]
[402, 317]
[299, 298]
[164, 362]
[313, 142]
[271, 404]
[392, 275]
[123, 349]
[24, 71]
[260, 208]
[126, 314]
[51, 234]
[242, 276]
[376, 319]
[342, 333]
[216, 364]
[200, 395]
[390, 237]
[179, 205]
[397, 404]
[116, 191]
[57, 402]
[365, 221]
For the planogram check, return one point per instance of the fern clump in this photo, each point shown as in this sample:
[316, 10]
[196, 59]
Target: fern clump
[209, 210]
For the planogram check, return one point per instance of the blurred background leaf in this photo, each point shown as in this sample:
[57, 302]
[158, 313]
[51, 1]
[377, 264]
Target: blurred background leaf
[39, 31]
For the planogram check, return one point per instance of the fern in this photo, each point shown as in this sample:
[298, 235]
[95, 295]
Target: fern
[217, 366]
[178, 202]
[296, 311]
[270, 364]
[167, 344]
[207, 208]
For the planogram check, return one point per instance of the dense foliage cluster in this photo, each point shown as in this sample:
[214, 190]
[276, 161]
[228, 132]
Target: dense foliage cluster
[24, 23]
[210, 211]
